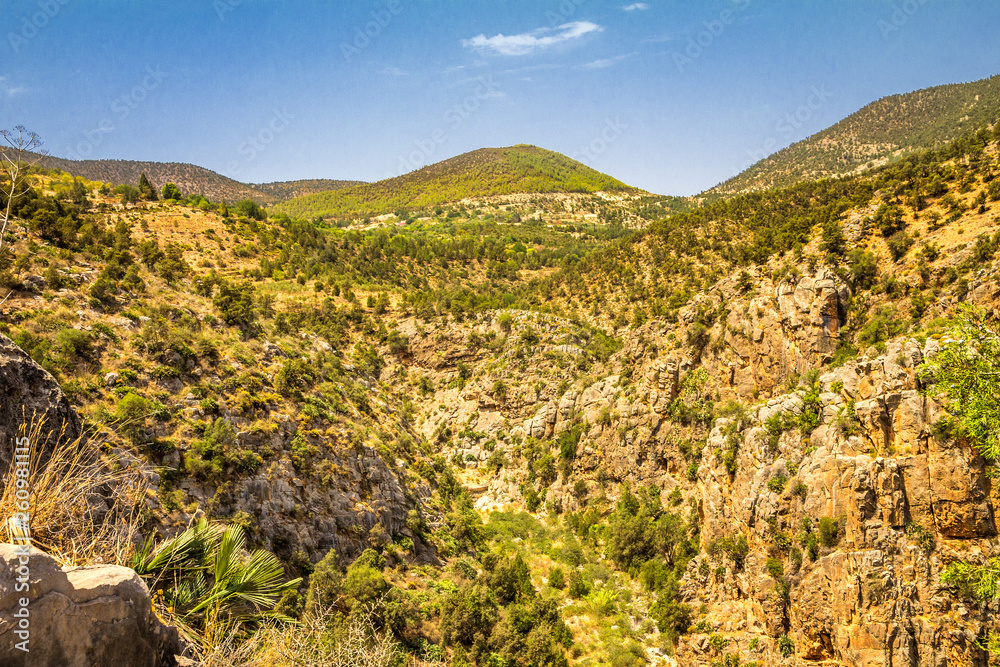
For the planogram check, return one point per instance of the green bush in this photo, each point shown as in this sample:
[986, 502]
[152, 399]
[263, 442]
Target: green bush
[777, 483]
[829, 532]
[557, 579]
[923, 537]
[130, 416]
[363, 585]
[899, 244]
[578, 588]
[324, 583]
[883, 325]
[737, 548]
[235, 303]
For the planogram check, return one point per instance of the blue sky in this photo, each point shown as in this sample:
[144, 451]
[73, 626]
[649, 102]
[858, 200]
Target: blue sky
[671, 96]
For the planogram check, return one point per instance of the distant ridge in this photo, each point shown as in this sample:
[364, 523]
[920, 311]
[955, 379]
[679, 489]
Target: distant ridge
[882, 132]
[285, 190]
[482, 173]
[191, 179]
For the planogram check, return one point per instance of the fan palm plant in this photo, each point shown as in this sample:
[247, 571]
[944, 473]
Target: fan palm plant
[211, 578]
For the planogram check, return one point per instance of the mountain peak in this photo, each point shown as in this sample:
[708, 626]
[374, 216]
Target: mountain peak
[485, 172]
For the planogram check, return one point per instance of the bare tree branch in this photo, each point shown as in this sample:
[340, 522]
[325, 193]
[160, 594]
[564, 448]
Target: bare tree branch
[17, 153]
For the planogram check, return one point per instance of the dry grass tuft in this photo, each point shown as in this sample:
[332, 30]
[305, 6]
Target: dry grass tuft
[319, 640]
[83, 511]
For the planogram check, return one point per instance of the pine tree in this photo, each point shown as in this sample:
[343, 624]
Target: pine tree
[147, 189]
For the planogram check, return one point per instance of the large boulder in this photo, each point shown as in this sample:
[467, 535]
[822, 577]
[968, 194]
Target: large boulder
[79, 616]
[29, 394]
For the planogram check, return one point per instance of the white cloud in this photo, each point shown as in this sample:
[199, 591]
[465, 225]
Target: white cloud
[530, 42]
[636, 6]
[607, 62]
[8, 90]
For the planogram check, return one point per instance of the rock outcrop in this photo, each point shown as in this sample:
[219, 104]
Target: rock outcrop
[319, 489]
[78, 617]
[30, 395]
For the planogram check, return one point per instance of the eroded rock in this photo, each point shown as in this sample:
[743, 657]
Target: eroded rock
[80, 617]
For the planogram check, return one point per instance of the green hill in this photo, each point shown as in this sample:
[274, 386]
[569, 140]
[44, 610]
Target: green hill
[482, 173]
[880, 133]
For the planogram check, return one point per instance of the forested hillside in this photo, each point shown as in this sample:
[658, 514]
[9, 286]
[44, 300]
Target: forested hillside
[882, 132]
[521, 432]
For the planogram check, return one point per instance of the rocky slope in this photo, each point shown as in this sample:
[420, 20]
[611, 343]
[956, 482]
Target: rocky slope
[905, 502]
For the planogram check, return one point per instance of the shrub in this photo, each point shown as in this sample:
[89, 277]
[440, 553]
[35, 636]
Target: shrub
[863, 266]
[809, 416]
[248, 208]
[923, 537]
[74, 344]
[578, 588]
[829, 532]
[235, 303]
[777, 483]
[775, 569]
[324, 583]
[130, 415]
[172, 266]
[883, 325]
[556, 578]
[363, 585]
[736, 548]
[372, 559]
[899, 244]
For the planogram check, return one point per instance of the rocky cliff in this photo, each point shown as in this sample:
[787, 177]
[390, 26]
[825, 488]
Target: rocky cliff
[907, 503]
[852, 502]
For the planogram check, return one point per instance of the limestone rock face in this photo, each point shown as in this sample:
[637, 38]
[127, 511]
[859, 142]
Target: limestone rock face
[79, 617]
[905, 503]
[29, 393]
[793, 329]
[958, 492]
[875, 597]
